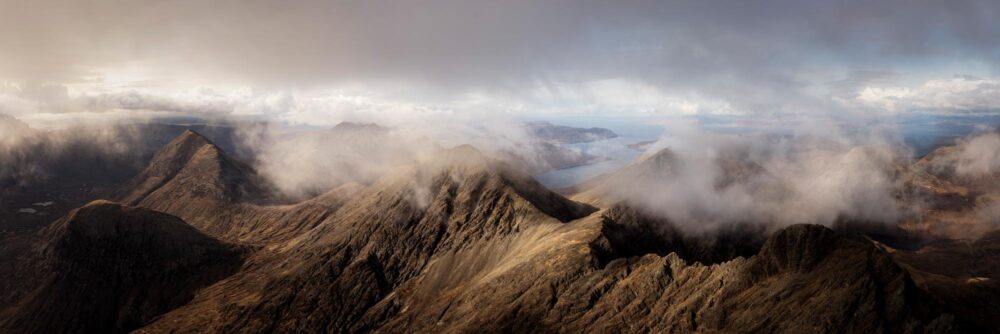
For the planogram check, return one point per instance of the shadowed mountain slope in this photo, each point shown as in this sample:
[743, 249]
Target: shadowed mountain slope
[107, 268]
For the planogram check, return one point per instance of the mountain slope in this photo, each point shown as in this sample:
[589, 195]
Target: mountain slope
[193, 179]
[109, 268]
[463, 244]
[332, 276]
[192, 169]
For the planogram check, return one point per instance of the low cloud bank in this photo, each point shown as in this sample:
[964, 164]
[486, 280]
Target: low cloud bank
[304, 164]
[979, 156]
[702, 180]
[29, 157]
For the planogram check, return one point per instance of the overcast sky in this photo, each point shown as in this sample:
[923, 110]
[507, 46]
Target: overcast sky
[323, 62]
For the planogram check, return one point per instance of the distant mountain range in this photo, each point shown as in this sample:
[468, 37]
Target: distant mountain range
[198, 241]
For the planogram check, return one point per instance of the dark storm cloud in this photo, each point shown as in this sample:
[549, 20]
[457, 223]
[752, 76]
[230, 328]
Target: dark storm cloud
[757, 56]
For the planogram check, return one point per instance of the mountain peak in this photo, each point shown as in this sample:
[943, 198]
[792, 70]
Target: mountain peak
[190, 137]
[353, 126]
[192, 167]
[464, 153]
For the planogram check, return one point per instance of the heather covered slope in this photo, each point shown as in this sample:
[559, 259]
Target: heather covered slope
[107, 268]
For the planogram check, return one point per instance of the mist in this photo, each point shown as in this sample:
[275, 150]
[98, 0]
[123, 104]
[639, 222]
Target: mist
[307, 162]
[29, 157]
[702, 180]
[980, 156]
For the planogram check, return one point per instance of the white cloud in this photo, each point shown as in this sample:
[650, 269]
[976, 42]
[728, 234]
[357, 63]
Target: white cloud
[966, 95]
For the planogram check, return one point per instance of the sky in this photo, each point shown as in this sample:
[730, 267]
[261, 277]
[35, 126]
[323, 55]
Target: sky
[319, 63]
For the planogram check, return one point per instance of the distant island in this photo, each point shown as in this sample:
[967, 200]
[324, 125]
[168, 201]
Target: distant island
[562, 134]
[641, 146]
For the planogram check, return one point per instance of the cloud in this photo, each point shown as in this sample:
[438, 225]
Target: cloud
[961, 95]
[702, 180]
[72, 156]
[979, 156]
[687, 56]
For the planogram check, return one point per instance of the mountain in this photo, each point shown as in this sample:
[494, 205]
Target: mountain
[193, 179]
[108, 268]
[639, 181]
[46, 173]
[561, 134]
[974, 162]
[191, 167]
[386, 236]
[957, 213]
[961, 274]
[461, 243]
[955, 189]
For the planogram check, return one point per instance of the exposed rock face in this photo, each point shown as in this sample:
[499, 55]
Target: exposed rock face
[107, 268]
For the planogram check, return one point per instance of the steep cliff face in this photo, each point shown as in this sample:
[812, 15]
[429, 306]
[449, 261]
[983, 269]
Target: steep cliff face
[107, 268]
